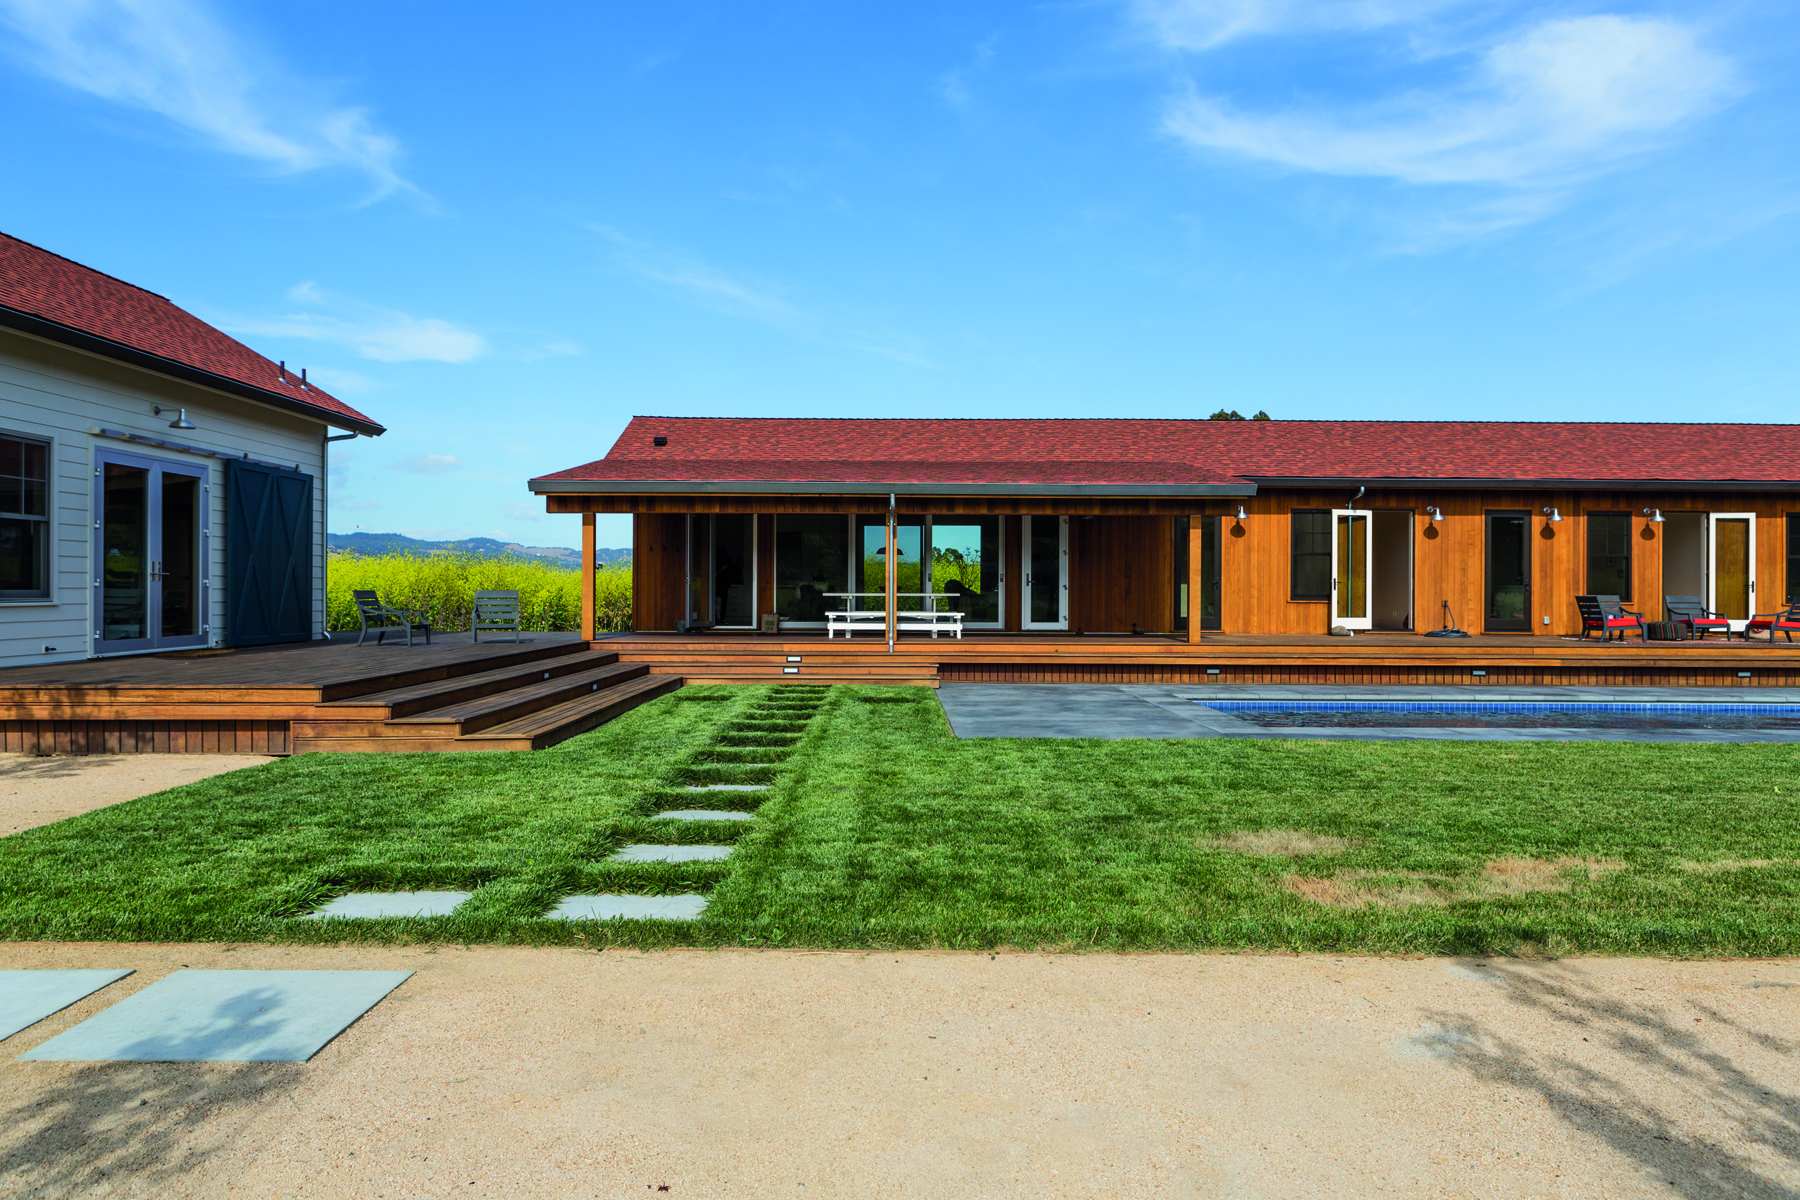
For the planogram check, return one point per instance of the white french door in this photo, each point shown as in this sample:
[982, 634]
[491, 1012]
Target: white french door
[151, 587]
[1731, 566]
[1046, 596]
[1352, 543]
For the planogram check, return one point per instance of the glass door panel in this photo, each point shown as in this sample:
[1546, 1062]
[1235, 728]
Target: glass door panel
[124, 556]
[177, 571]
[811, 560]
[909, 538]
[965, 567]
[1046, 573]
[1732, 578]
[734, 570]
[150, 579]
[1508, 607]
[1351, 530]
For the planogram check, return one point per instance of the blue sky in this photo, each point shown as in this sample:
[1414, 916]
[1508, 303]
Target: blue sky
[503, 229]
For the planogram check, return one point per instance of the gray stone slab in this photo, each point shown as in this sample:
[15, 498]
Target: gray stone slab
[391, 904]
[703, 814]
[727, 787]
[671, 854]
[27, 997]
[224, 1016]
[629, 908]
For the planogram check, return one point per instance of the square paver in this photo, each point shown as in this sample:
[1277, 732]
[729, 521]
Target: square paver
[27, 997]
[391, 904]
[224, 1016]
[703, 814]
[671, 854]
[629, 908]
[727, 787]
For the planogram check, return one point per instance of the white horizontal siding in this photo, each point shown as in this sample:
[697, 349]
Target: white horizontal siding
[50, 391]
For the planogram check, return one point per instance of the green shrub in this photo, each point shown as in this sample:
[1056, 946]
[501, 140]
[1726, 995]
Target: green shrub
[443, 586]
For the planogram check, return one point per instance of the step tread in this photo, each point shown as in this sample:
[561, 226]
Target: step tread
[547, 720]
[526, 672]
[468, 710]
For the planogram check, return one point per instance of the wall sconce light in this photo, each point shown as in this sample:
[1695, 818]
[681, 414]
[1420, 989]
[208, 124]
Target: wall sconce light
[1655, 515]
[1240, 513]
[1553, 514]
[180, 422]
[1437, 514]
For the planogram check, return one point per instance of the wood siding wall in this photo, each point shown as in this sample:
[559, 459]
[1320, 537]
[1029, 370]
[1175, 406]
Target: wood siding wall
[659, 572]
[1122, 573]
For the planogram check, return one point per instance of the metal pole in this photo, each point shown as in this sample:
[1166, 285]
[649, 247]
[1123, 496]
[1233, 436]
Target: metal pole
[893, 577]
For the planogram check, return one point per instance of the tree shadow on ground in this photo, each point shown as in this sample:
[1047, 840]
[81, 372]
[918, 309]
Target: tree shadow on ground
[136, 1125]
[1761, 1114]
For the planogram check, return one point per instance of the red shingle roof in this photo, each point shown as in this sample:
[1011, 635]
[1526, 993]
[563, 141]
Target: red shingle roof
[47, 286]
[1180, 455]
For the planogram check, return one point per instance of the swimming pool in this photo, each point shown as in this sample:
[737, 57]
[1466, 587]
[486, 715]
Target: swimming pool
[1506, 714]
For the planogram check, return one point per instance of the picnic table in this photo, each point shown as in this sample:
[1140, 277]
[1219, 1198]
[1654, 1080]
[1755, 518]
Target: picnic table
[925, 620]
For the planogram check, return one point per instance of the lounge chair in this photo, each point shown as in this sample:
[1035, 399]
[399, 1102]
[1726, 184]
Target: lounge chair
[1700, 620]
[383, 620]
[1607, 614]
[495, 612]
[1786, 623]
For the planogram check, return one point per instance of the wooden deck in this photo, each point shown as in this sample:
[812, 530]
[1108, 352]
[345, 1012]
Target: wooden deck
[452, 695]
[1377, 658]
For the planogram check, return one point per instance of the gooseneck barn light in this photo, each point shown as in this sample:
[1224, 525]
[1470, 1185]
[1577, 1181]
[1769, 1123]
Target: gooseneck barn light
[180, 422]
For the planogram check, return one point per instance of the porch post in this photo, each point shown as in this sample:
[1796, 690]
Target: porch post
[587, 576]
[1193, 579]
[893, 577]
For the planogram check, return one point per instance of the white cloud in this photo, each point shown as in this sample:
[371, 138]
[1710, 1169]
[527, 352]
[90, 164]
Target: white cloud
[343, 383]
[521, 510]
[744, 297]
[1205, 24]
[176, 59]
[1560, 102]
[429, 464]
[383, 334]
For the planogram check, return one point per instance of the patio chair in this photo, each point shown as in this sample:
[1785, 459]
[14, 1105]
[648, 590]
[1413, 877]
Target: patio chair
[1607, 614]
[1786, 623]
[1700, 620]
[383, 620]
[495, 612]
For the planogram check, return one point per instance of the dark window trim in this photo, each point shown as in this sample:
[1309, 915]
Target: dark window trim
[1295, 555]
[48, 592]
[1587, 548]
[1793, 558]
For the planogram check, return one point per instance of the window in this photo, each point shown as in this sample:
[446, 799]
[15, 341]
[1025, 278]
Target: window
[1793, 559]
[24, 519]
[1609, 554]
[1310, 578]
[812, 560]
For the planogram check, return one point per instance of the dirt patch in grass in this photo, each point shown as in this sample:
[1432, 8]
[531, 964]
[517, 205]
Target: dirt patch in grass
[1281, 843]
[1400, 889]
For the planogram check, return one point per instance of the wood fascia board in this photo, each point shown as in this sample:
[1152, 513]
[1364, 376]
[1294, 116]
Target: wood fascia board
[611, 487]
[876, 505]
[1530, 485]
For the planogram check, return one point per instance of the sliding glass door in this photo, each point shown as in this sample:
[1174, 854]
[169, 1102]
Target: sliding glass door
[722, 570]
[150, 553]
[1046, 597]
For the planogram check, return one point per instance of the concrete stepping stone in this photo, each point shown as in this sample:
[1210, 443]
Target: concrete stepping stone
[27, 997]
[703, 814]
[671, 854]
[390, 904]
[224, 1016]
[727, 787]
[629, 908]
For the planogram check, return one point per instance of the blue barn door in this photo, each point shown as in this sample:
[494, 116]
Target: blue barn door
[268, 554]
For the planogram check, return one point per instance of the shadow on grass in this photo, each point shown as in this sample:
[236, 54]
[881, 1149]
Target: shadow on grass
[130, 1126]
[1760, 1113]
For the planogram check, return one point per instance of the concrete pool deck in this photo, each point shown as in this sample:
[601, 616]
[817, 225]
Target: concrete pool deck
[1142, 710]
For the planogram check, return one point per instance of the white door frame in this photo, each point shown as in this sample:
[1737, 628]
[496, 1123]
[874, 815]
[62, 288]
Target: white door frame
[1031, 583]
[1712, 557]
[154, 469]
[1367, 620]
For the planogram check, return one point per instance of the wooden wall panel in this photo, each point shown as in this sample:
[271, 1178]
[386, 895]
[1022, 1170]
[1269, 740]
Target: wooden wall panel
[1013, 550]
[659, 572]
[144, 737]
[765, 567]
[1122, 573]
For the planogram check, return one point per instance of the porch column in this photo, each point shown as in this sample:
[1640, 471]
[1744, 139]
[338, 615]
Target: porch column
[587, 576]
[893, 577]
[1193, 579]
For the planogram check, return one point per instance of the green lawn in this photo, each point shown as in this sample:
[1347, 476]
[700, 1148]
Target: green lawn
[881, 830]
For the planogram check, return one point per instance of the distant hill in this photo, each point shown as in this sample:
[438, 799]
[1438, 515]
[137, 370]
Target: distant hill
[398, 543]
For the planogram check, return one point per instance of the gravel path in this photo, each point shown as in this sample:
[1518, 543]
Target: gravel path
[547, 1072]
[39, 789]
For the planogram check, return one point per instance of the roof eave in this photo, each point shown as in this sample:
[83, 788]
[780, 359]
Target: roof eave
[644, 487]
[52, 331]
[1586, 485]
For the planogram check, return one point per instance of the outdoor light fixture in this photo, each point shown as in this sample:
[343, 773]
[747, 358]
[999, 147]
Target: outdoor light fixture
[1553, 514]
[1655, 515]
[180, 422]
[1437, 514]
[1240, 513]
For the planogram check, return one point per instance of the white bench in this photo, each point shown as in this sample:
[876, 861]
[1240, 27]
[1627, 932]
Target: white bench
[933, 623]
[850, 622]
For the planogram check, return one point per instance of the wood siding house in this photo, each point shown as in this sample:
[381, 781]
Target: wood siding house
[1197, 531]
[162, 486]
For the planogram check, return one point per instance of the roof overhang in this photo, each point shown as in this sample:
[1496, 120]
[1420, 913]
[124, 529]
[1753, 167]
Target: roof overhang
[51, 331]
[648, 487]
[1540, 485]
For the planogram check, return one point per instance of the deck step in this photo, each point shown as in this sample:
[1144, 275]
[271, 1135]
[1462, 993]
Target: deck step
[483, 712]
[560, 722]
[461, 689]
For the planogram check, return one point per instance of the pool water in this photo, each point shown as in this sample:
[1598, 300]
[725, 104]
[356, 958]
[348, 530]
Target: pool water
[1502, 714]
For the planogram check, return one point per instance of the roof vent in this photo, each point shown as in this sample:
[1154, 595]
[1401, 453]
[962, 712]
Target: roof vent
[659, 441]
